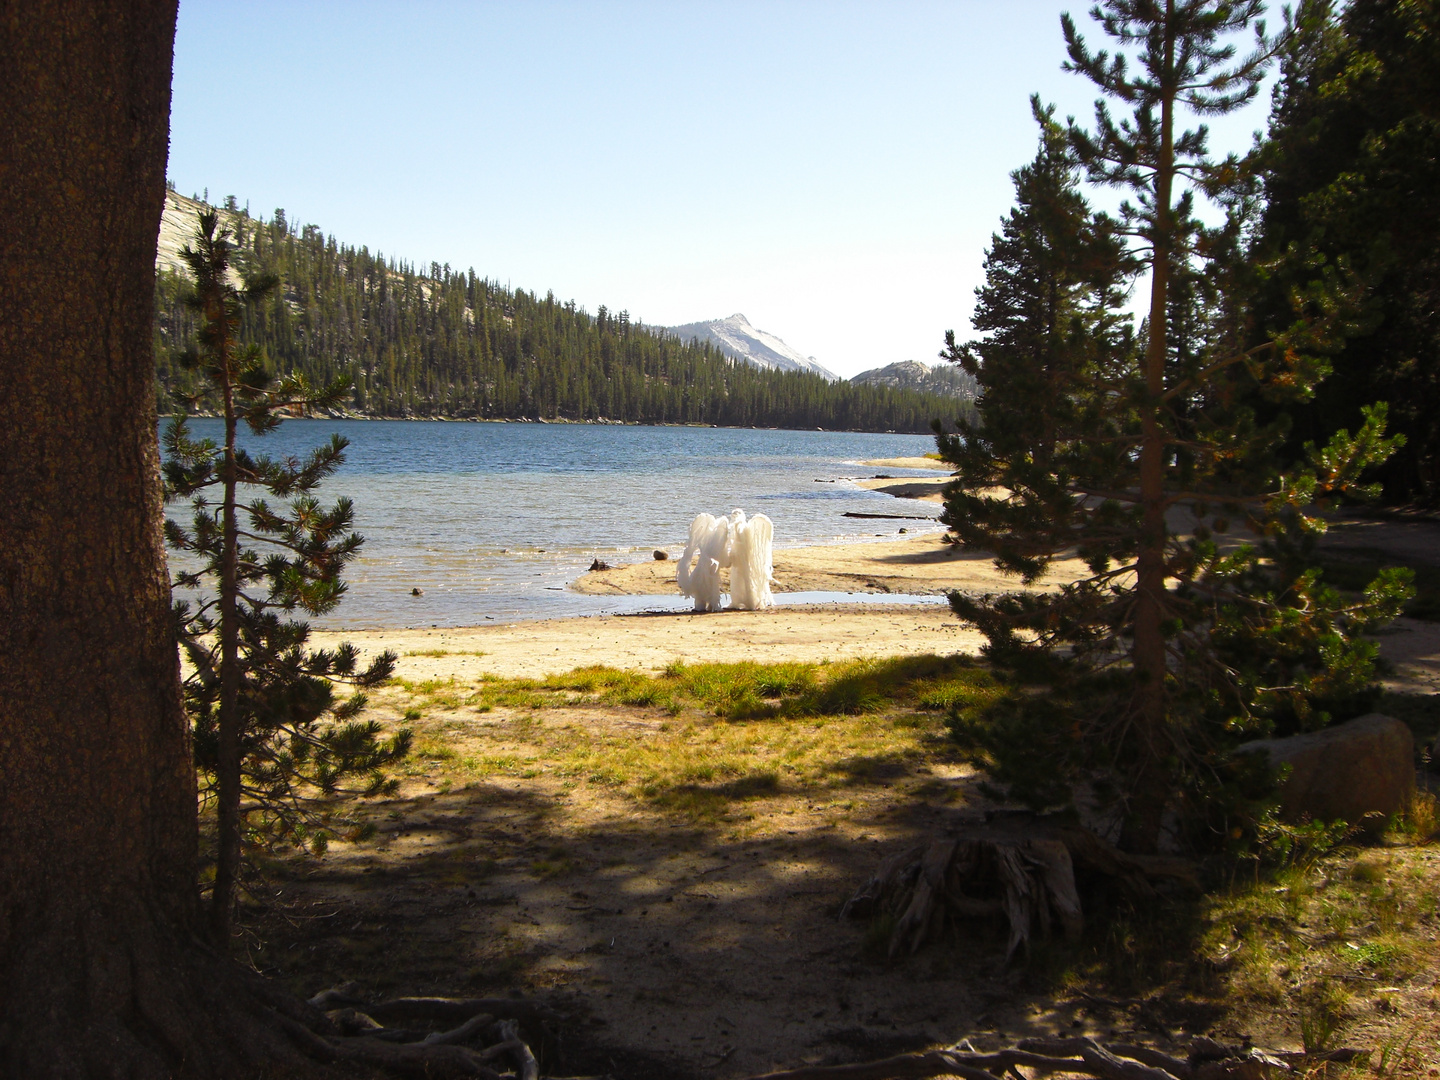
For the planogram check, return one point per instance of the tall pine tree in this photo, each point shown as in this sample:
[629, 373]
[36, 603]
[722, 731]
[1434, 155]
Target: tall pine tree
[1140, 452]
[270, 735]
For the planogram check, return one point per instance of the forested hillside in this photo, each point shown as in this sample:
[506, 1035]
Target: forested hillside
[438, 342]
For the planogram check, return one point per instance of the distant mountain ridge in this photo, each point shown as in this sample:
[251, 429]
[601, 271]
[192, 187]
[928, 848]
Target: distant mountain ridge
[737, 339]
[432, 341]
[912, 375]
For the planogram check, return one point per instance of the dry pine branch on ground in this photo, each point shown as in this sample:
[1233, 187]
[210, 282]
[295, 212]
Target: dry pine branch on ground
[1207, 1060]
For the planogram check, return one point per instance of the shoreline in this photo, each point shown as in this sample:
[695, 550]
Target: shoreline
[917, 566]
[810, 632]
[921, 565]
[814, 632]
[599, 421]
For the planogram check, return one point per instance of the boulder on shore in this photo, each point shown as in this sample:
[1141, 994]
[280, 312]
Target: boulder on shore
[1363, 766]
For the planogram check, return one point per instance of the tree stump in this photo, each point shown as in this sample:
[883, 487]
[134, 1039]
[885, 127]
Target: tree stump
[1021, 867]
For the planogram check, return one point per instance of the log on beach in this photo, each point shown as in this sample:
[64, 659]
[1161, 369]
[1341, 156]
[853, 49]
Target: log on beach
[890, 517]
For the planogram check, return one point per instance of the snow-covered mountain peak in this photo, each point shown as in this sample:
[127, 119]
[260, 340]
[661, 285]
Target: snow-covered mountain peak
[737, 339]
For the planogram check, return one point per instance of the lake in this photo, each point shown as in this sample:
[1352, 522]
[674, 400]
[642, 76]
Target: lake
[491, 521]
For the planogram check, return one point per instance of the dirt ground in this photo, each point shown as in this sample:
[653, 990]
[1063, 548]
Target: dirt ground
[689, 928]
[681, 945]
[697, 935]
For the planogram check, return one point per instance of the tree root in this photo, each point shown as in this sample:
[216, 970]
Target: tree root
[487, 1029]
[1018, 866]
[177, 1010]
[1207, 1060]
[435, 1009]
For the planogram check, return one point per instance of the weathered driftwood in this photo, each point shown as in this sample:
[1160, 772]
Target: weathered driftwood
[351, 1030]
[1020, 867]
[1207, 1060]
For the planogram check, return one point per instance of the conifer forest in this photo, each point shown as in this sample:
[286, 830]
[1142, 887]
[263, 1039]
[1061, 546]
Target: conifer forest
[431, 342]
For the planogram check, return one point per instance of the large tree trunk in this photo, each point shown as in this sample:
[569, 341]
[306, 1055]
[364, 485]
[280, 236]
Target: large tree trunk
[102, 969]
[105, 970]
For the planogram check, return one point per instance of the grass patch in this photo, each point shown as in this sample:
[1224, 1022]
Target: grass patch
[739, 691]
[702, 766]
[1310, 935]
[1294, 941]
[716, 735]
[851, 688]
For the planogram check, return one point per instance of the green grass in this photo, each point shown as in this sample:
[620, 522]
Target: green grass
[1299, 939]
[718, 735]
[737, 691]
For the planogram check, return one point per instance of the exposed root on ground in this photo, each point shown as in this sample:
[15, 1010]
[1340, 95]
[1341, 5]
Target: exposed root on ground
[1207, 1060]
[484, 1035]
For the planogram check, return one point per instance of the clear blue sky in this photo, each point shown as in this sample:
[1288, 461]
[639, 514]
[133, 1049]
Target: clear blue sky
[833, 170]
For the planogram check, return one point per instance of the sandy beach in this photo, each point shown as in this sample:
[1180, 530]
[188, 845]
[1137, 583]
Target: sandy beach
[651, 640]
[919, 565]
[923, 488]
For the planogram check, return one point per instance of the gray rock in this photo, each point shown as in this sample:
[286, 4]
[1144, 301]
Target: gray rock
[1363, 766]
[946, 379]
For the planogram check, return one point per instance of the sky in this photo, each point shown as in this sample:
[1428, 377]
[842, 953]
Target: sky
[833, 170]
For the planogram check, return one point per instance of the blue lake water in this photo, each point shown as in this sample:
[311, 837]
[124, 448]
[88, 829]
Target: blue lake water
[493, 521]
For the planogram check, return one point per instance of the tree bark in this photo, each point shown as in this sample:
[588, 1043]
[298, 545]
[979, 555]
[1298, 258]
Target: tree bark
[105, 966]
[103, 971]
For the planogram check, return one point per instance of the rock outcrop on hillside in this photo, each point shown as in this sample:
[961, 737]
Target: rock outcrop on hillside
[177, 229]
[913, 375]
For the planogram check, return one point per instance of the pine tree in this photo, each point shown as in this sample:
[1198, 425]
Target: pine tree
[1050, 305]
[271, 740]
[1139, 452]
[1351, 172]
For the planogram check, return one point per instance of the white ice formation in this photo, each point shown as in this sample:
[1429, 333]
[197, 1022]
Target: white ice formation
[751, 565]
[746, 548]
